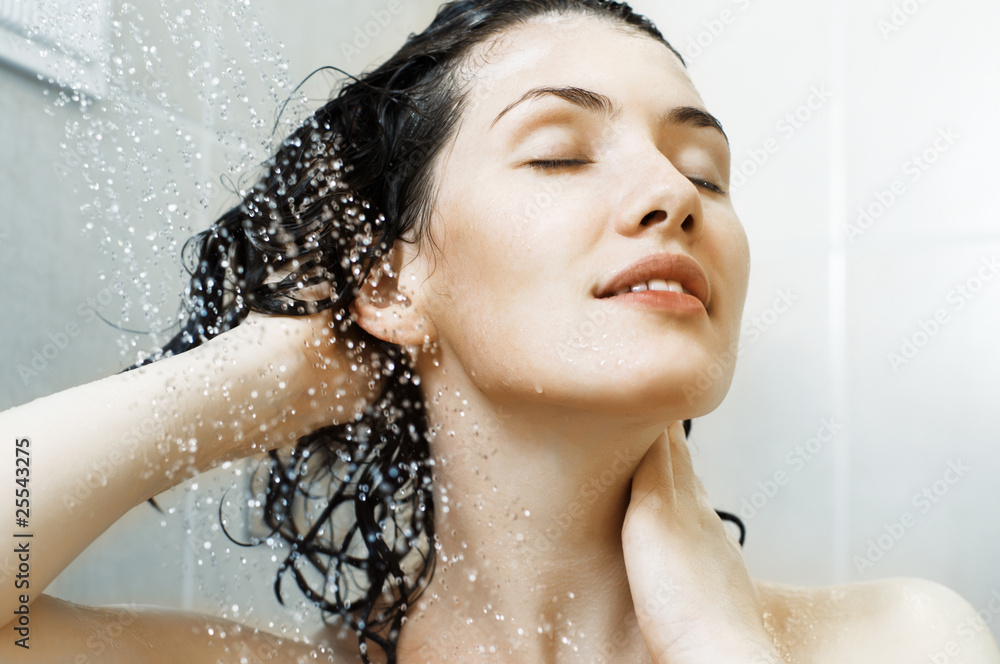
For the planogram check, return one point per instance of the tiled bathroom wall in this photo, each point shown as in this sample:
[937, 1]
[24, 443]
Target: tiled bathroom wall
[859, 439]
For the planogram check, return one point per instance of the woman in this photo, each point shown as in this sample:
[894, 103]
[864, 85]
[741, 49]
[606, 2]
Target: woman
[497, 265]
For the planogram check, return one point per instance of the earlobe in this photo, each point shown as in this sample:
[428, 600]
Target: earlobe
[385, 309]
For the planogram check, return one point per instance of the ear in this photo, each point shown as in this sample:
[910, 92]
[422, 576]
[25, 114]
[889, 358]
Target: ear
[389, 305]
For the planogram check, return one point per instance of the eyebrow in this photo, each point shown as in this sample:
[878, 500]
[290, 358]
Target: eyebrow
[596, 102]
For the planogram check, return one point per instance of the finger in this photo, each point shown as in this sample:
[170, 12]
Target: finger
[683, 470]
[684, 478]
[653, 477]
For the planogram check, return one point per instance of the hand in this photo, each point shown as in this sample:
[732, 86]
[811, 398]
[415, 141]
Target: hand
[299, 375]
[693, 596]
[321, 379]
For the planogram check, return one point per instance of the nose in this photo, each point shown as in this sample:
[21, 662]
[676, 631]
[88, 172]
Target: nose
[660, 200]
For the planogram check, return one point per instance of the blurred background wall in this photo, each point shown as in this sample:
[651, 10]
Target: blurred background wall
[860, 436]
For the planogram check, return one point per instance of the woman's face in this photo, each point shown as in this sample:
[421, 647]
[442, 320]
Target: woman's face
[584, 150]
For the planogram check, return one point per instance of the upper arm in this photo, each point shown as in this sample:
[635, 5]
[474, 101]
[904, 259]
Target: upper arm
[63, 632]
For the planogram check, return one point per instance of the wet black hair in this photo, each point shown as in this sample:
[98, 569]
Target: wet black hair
[353, 501]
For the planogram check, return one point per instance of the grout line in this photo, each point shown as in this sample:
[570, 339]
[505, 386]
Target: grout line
[188, 551]
[837, 293]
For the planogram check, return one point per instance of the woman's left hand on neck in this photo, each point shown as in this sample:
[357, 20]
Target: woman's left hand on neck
[693, 596]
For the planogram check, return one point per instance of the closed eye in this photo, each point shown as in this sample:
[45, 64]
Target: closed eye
[555, 164]
[552, 164]
[706, 185]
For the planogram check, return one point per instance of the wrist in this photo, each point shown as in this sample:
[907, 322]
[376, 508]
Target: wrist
[753, 649]
[251, 378]
[287, 377]
[703, 642]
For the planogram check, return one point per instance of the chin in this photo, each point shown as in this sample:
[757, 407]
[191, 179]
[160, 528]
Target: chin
[680, 381]
[667, 402]
[692, 377]
[674, 394]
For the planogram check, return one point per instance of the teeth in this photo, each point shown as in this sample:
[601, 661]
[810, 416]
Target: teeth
[655, 285]
[663, 285]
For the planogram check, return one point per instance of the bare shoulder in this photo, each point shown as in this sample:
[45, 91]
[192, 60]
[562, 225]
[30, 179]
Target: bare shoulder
[891, 620]
[63, 632]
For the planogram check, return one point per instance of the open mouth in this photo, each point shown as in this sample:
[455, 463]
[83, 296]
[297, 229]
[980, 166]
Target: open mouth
[664, 277]
[653, 285]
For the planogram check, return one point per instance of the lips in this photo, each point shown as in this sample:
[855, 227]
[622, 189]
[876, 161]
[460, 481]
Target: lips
[659, 272]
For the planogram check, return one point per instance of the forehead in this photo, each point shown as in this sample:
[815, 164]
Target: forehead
[572, 50]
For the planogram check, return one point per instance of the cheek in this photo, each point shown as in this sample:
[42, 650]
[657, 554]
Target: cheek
[503, 248]
[475, 276]
[743, 263]
[498, 291]
[732, 258]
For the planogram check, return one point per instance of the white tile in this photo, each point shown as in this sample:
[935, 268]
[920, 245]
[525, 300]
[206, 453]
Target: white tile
[758, 441]
[906, 88]
[929, 409]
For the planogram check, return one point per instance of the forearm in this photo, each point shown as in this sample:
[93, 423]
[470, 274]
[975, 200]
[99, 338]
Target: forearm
[97, 450]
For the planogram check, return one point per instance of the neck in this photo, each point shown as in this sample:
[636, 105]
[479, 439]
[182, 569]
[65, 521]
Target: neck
[529, 510]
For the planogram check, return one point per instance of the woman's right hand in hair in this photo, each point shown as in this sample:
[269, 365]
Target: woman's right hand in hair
[315, 377]
[99, 449]
[693, 596]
